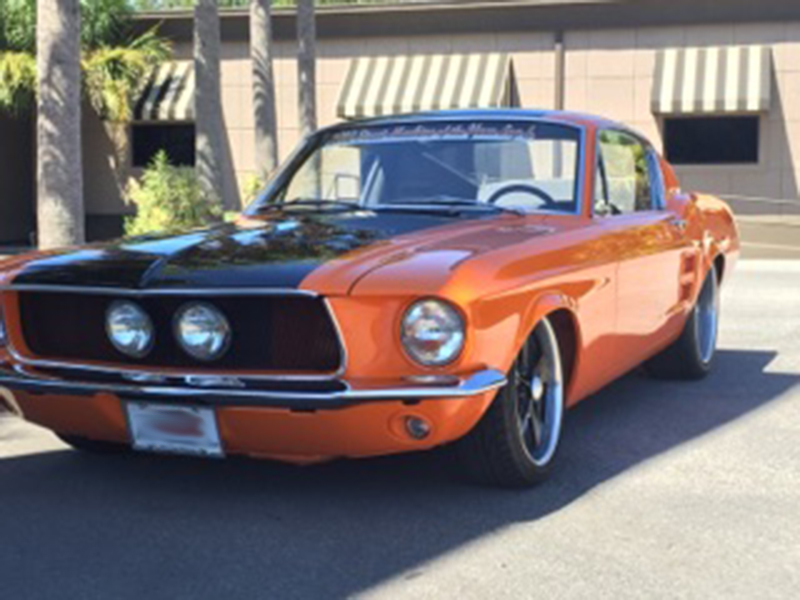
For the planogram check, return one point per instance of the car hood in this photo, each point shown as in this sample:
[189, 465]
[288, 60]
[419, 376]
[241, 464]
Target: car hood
[326, 253]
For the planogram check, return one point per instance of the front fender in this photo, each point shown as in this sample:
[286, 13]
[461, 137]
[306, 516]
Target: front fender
[531, 312]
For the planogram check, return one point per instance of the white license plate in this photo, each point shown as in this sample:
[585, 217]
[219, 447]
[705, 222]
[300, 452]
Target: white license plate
[172, 429]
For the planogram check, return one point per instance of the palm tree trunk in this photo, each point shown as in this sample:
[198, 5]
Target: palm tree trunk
[306, 65]
[263, 88]
[59, 173]
[210, 128]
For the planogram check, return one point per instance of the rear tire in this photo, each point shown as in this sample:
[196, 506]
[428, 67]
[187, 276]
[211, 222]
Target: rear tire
[93, 446]
[515, 443]
[691, 356]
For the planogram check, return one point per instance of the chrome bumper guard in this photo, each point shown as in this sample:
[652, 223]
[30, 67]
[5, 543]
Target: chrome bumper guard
[350, 393]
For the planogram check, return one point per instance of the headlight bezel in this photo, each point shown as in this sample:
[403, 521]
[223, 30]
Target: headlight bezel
[416, 356]
[180, 338]
[150, 329]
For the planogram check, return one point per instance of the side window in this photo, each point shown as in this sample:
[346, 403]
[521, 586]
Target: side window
[626, 166]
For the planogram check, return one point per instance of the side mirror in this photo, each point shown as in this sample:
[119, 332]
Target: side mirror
[601, 209]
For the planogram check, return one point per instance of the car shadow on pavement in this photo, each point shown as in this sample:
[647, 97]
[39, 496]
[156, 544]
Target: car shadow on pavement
[75, 526]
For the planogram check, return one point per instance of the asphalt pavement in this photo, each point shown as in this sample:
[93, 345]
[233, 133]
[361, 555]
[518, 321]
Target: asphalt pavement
[663, 490]
[770, 237]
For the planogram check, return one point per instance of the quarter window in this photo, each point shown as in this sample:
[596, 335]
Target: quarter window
[624, 175]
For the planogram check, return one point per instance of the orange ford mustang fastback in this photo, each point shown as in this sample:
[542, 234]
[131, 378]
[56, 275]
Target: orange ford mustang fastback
[403, 283]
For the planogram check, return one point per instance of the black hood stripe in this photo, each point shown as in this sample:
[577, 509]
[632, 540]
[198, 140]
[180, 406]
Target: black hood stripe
[278, 254]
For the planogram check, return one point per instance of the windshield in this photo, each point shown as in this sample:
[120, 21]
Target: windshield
[529, 166]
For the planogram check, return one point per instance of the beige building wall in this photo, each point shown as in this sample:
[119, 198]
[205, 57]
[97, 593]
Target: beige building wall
[611, 73]
[106, 164]
[534, 65]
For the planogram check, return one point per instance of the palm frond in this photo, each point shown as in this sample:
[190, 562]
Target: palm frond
[113, 75]
[17, 81]
[18, 25]
[104, 22]
[115, 65]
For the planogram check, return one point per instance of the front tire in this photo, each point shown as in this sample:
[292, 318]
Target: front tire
[515, 443]
[691, 356]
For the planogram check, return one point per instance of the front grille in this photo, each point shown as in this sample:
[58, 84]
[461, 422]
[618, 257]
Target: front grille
[270, 333]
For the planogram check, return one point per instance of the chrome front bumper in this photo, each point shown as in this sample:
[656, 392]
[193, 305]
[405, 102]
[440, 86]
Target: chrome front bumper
[347, 393]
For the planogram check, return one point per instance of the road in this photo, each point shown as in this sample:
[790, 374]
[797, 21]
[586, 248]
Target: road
[663, 490]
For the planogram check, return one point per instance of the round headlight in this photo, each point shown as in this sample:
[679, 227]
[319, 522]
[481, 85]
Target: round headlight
[432, 332]
[203, 331]
[129, 329]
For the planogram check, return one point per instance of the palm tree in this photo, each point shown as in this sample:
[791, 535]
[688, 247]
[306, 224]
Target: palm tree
[59, 177]
[263, 88]
[209, 143]
[306, 65]
[112, 64]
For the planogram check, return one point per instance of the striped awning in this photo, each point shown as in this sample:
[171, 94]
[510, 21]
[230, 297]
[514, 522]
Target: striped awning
[386, 85]
[732, 79]
[168, 95]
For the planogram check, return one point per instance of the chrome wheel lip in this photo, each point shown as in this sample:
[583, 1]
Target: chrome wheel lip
[538, 388]
[553, 397]
[707, 318]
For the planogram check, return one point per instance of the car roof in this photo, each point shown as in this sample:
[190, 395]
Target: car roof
[472, 114]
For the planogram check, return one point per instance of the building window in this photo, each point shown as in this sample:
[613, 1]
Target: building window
[177, 140]
[711, 140]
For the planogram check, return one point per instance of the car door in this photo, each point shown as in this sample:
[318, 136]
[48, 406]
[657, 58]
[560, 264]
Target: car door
[649, 243]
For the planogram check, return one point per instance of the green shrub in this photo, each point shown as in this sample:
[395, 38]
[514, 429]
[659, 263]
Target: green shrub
[169, 199]
[251, 188]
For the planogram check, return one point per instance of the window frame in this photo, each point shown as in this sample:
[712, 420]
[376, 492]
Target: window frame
[654, 172]
[658, 186]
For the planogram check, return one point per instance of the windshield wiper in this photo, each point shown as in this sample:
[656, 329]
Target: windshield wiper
[319, 204]
[432, 204]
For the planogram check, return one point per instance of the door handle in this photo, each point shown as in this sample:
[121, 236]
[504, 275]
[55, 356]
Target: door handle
[679, 223]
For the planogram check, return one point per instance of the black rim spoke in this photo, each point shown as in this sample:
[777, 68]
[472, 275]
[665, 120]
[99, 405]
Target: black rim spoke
[537, 429]
[524, 426]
